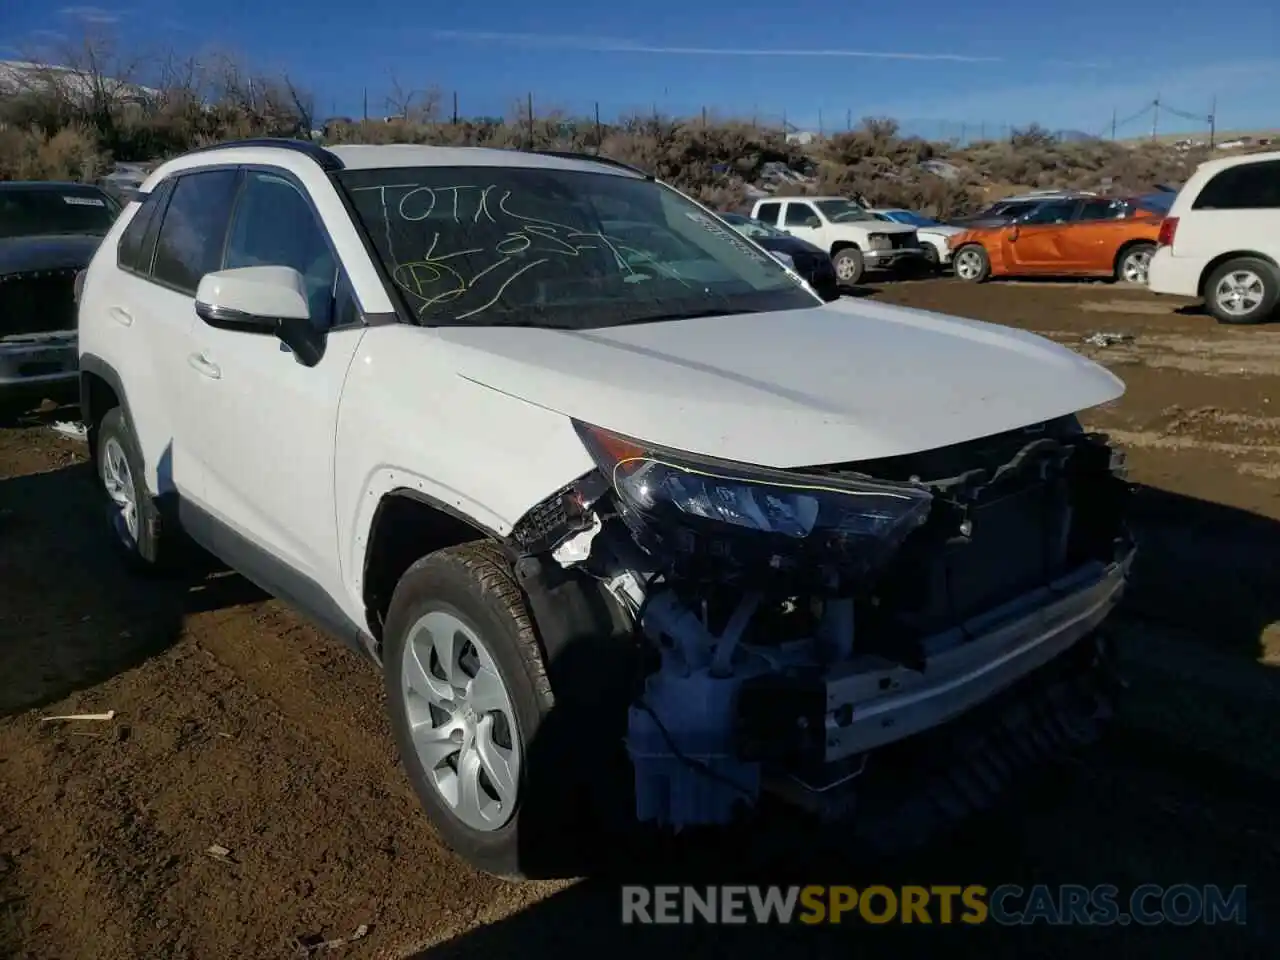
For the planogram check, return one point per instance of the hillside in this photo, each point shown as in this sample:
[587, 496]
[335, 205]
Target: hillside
[53, 130]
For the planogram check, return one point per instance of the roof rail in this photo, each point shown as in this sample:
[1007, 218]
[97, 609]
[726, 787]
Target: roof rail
[328, 160]
[594, 158]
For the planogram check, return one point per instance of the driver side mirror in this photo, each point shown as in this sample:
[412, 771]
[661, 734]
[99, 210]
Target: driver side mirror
[262, 300]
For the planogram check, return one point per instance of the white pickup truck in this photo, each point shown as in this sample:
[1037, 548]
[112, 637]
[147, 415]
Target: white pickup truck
[856, 239]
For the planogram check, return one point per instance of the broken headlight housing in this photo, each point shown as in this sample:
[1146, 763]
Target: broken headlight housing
[701, 512]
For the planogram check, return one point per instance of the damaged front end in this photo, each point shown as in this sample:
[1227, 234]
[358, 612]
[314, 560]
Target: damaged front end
[799, 622]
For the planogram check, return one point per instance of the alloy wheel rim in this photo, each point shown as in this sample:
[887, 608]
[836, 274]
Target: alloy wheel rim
[1136, 266]
[117, 480]
[967, 265]
[461, 720]
[1240, 292]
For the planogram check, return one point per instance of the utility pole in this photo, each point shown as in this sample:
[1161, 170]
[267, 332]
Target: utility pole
[455, 108]
[529, 104]
[599, 135]
[819, 123]
[848, 120]
[1213, 120]
[366, 103]
[1113, 123]
[1155, 118]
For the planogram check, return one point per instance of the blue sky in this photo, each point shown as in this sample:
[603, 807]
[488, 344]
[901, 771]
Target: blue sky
[935, 64]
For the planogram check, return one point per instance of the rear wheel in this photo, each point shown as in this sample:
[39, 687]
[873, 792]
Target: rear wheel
[1134, 263]
[132, 517]
[971, 263]
[849, 266]
[1245, 290]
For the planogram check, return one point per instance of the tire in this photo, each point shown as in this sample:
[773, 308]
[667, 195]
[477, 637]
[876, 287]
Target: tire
[849, 266]
[472, 591]
[1134, 262]
[133, 519]
[1243, 291]
[971, 263]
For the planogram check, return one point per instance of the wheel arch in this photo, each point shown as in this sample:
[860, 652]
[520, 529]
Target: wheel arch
[406, 525]
[101, 389]
[1126, 247]
[844, 245]
[1222, 258]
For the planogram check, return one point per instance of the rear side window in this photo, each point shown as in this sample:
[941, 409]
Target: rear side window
[194, 229]
[768, 212]
[138, 242]
[1102, 210]
[1249, 186]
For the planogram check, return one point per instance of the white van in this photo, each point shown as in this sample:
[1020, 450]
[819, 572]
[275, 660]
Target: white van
[1221, 239]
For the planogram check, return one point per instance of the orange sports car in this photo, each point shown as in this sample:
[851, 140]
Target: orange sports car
[1075, 237]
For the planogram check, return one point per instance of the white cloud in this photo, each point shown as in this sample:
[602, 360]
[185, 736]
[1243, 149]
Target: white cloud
[90, 14]
[618, 45]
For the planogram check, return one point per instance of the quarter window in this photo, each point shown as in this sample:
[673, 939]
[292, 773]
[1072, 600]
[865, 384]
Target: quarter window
[194, 228]
[1249, 186]
[132, 253]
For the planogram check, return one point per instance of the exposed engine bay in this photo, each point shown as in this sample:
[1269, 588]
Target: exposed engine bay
[799, 621]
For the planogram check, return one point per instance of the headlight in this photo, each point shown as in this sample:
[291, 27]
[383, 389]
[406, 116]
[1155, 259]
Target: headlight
[784, 258]
[879, 241]
[699, 508]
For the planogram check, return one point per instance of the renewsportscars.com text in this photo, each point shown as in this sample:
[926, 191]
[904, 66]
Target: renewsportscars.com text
[1006, 905]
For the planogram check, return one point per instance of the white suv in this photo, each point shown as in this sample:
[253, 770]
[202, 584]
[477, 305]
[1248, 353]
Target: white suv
[1221, 239]
[628, 518]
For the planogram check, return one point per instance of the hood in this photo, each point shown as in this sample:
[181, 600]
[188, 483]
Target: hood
[48, 252]
[942, 230]
[790, 245]
[878, 226]
[847, 381]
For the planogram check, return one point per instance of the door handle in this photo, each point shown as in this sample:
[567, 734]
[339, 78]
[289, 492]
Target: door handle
[1013, 233]
[121, 316]
[204, 366]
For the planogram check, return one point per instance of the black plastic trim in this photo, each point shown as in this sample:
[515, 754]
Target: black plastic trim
[327, 160]
[592, 158]
[272, 575]
[91, 363]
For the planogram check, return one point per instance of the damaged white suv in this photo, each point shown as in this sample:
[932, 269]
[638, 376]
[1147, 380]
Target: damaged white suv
[625, 514]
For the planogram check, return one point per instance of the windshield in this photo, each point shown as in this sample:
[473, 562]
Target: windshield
[753, 228]
[54, 209]
[511, 246]
[843, 211]
[914, 219]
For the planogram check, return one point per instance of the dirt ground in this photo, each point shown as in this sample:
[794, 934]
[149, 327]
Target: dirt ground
[237, 724]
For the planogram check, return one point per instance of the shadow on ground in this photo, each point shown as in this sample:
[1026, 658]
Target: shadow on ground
[62, 632]
[1206, 568]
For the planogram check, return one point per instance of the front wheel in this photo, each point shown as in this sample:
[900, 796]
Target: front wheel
[971, 263]
[1245, 290]
[849, 266]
